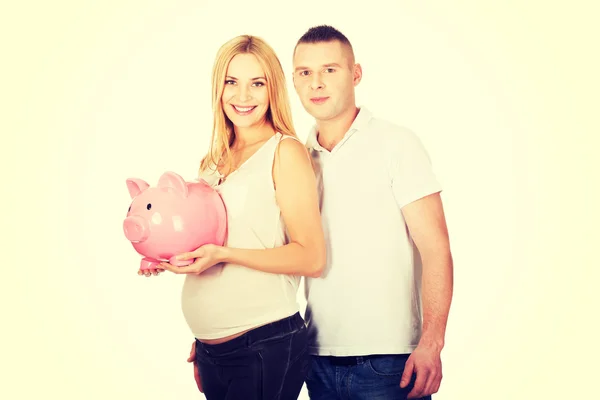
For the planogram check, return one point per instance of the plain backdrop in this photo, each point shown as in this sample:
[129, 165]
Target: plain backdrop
[503, 95]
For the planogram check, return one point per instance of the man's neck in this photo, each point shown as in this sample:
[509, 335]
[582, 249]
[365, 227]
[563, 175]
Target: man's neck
[331, 132]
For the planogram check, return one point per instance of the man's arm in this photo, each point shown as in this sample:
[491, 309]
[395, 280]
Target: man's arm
[417, 193]
[427, 226]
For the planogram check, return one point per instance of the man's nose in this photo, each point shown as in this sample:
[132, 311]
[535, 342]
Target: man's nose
[316, 82]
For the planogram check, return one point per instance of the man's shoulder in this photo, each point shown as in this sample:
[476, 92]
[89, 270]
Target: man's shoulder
[390, 132]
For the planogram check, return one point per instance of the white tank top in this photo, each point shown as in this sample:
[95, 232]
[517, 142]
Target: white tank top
[228, 299]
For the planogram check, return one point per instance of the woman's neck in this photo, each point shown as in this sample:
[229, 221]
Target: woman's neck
[254, 134]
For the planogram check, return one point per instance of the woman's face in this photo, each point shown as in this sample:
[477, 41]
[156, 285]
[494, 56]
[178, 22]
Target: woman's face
[245, 97]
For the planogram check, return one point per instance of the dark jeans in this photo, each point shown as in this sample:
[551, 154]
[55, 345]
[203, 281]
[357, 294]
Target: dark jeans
[358, 378]
[266, 363]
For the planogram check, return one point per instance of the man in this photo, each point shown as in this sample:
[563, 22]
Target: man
[377, 316]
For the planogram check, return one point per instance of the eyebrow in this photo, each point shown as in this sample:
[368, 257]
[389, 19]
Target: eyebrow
[253, 79]
[324, 65]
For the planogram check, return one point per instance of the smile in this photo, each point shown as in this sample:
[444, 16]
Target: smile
[243, 110]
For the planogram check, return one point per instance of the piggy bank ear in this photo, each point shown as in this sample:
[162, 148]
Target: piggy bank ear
[136, 186]
[173, 181]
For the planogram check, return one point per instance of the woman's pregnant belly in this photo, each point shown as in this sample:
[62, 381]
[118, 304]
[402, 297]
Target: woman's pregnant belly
[225, 301]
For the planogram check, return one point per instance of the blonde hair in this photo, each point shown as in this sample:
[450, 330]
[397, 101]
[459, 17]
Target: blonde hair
[278, 114]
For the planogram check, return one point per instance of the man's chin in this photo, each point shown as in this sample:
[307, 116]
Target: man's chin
[319, 113]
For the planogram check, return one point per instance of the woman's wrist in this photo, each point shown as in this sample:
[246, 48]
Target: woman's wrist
[223, 254]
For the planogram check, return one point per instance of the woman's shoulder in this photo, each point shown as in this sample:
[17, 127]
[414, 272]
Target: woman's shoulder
[282, 136]
[289, 148]
[294, 144]
[290, 152]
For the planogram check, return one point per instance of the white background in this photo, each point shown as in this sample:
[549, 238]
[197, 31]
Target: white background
[501, 93]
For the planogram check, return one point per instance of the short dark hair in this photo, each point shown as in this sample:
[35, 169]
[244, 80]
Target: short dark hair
[323, 33]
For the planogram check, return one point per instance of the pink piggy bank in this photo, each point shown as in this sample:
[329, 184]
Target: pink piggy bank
[173, 218]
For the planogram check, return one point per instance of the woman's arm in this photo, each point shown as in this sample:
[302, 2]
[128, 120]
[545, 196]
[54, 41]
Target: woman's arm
[296, 194]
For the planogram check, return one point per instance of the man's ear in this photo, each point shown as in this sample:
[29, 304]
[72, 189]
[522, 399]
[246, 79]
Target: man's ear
[357, 74]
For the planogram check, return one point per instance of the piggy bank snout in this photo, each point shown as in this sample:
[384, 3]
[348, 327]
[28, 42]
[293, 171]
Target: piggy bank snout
[136, 229]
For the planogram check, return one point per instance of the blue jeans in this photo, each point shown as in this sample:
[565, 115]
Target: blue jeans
[375, 377]
[267, 363]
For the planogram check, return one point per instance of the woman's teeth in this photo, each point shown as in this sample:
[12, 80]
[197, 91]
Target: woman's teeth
[244, 109]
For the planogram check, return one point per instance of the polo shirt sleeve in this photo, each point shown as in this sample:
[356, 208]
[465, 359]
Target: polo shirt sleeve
[411, 172]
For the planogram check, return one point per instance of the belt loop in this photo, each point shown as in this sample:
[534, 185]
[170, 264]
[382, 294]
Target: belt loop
[248, 340]
[201, 347]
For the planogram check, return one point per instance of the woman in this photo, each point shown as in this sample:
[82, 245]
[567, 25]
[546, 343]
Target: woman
[240, 300]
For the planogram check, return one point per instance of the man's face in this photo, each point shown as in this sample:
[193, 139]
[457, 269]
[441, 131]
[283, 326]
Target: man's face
[324, 78]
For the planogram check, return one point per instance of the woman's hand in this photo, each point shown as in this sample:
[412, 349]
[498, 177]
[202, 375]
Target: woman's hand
[206, 257]
[150, 272]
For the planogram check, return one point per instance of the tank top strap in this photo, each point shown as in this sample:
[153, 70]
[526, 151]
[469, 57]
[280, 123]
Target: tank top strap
[283, 137]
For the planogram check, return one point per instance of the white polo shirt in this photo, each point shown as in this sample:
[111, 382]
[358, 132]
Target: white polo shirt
[368, 299]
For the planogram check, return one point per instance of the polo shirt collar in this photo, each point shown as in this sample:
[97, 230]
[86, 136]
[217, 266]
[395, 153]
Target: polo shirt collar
[360, 123]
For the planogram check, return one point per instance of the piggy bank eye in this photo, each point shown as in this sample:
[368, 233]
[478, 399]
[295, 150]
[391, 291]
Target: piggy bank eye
[129, 209]
[149, 206]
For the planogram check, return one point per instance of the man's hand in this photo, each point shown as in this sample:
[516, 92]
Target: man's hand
[427, 364]
[192, 359]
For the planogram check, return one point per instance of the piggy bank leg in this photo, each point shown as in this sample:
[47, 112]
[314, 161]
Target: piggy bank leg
[179, 263]
[148, 264]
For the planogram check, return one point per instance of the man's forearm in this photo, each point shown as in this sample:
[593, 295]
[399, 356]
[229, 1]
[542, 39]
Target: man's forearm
[436, 292]
[427, 225]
